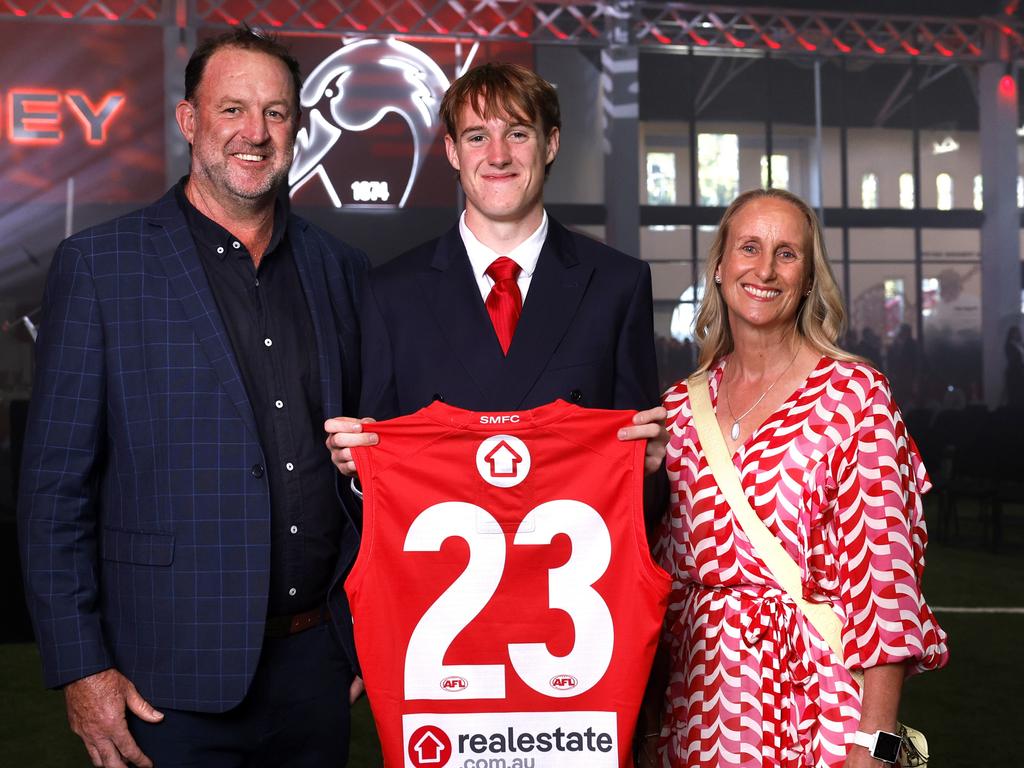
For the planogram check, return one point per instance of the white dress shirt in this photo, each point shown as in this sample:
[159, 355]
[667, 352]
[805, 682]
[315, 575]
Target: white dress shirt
[525, 255]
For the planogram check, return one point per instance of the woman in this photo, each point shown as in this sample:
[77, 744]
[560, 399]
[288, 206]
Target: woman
[825, 461]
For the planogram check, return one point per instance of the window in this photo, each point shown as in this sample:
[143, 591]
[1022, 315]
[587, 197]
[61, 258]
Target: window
[685, 313]
[979, 193]
[869, 191]
[661, 178]
[907, 190]
[780, 171]
[944, 191]
[718, 167]
[895, 305]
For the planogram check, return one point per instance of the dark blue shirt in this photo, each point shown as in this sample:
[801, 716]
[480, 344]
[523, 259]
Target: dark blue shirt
[268, 321]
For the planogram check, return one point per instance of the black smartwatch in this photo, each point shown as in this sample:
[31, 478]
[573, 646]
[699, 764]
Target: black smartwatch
[882, 745]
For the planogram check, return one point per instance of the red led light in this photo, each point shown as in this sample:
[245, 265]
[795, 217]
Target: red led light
[1007, 87]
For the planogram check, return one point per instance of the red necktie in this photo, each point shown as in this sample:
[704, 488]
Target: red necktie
[504, 302]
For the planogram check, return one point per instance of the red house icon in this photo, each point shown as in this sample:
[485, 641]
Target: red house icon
[504, 460]
[429, 749]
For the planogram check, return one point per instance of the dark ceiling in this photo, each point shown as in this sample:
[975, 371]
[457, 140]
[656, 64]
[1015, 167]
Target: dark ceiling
[952, 8]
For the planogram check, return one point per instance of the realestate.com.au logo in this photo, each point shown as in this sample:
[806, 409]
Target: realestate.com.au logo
[430, 746]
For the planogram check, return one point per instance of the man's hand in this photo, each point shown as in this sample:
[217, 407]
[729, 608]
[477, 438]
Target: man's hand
[96, 706]
[355, 690]
[344, 432]
[649, 425]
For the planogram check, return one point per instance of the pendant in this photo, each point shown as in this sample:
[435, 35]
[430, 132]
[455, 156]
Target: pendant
[734, 433]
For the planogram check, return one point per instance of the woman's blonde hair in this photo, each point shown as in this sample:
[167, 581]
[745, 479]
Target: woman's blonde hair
[820, 317]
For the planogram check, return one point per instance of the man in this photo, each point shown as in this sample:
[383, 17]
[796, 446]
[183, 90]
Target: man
[182, 531]
[570, 319]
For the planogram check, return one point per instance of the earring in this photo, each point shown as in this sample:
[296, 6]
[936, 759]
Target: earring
[807, 292]
[718, 278]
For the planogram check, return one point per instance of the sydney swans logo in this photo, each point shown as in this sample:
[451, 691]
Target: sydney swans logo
[363, 82]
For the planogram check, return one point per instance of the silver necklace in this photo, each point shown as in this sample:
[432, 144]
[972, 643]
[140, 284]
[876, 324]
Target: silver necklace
[734, 433]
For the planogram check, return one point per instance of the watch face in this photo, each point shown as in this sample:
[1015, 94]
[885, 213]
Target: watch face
[887, 747]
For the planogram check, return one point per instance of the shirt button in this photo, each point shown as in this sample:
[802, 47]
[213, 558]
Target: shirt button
[292, 591]
[220, 249]
[294, 529]
[289, 466]
[575, 395]
[257, 282]
[236, 245]
[257, 471]
[268, 343]
[279, 403]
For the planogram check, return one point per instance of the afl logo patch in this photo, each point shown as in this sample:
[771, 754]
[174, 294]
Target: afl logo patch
[454, 683]
[563, 682]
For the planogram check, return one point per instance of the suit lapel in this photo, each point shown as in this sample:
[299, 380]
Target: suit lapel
[452, 295]
[176, 250]
[556, 290]
[314, 285]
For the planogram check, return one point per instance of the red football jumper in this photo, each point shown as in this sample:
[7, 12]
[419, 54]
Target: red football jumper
[505, 602]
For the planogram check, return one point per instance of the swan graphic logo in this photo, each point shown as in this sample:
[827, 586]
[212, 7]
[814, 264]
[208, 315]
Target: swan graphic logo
[352, 90]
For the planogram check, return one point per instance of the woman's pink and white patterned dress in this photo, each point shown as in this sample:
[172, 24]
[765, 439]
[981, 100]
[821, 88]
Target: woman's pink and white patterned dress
[836, 478]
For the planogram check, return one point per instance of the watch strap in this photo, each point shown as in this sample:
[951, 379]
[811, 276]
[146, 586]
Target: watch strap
[866, 740]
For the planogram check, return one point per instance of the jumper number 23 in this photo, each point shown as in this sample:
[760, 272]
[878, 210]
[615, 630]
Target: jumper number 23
[570, 589]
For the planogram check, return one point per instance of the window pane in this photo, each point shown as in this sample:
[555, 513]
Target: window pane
[907, 190]
[952, 156]
[877, 108]
[979, 193]
[951, 305]
[661, 178]
[944, 192]
[869, 191]
[666, 147]
[880, 300]
[780, 171]
[881, 245]
[718, 164]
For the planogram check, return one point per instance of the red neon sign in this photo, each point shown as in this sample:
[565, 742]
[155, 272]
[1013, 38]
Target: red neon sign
[35, 115]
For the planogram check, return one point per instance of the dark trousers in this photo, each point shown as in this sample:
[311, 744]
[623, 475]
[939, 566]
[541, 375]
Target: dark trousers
[295, 715]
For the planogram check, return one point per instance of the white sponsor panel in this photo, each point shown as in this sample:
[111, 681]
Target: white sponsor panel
[541, 739]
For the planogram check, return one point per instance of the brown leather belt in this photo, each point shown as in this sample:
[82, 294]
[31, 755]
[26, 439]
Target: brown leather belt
[282, 626]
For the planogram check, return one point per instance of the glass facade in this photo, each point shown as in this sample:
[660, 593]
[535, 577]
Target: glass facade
[889, 154]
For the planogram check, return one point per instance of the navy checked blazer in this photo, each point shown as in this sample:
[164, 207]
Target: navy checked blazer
[144, 508]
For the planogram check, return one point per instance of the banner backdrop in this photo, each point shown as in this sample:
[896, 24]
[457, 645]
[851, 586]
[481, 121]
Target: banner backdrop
[81, 101]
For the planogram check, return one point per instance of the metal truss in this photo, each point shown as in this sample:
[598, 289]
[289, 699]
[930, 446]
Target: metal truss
[646, 24]
[85, 10]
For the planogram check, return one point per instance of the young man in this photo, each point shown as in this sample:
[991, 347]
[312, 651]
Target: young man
[558, 316]
[182, 531]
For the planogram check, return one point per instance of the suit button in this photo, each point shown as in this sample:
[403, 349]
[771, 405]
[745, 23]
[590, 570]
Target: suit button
[575, 395]
[437, 396]
[257, 471]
